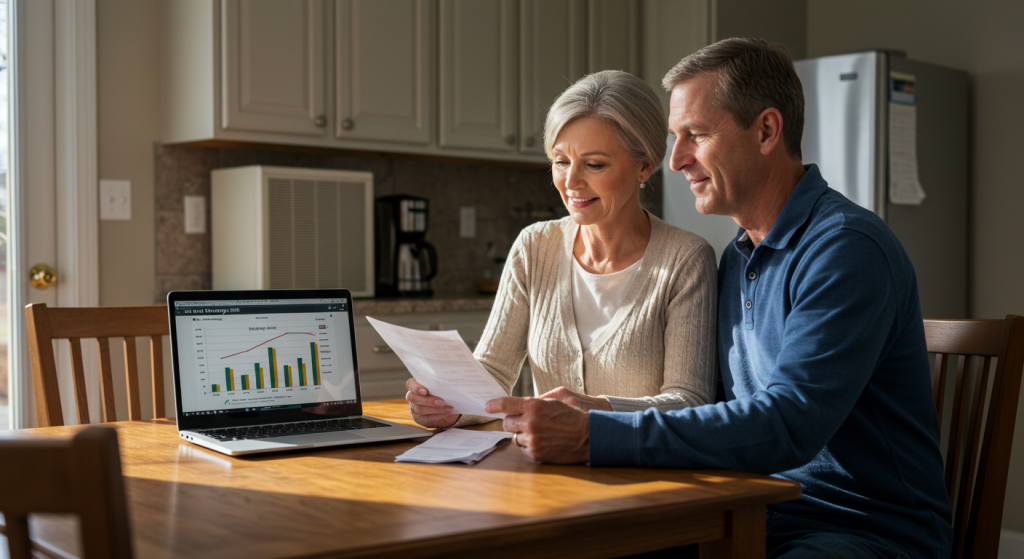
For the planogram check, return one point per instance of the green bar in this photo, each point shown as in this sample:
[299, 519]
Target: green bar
[273, 367]
[259, 381]
[316, 363]
[245, 382]
[287, 376]
[227, 379]
[216, 388]
[302, 374]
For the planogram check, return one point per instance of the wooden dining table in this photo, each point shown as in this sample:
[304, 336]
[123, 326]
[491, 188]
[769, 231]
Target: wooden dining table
[356, 501]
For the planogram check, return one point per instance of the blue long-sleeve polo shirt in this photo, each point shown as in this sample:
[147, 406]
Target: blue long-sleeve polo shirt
[825, 373]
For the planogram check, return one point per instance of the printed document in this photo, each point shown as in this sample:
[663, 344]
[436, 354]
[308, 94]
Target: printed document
[443, 363]
[455, 445]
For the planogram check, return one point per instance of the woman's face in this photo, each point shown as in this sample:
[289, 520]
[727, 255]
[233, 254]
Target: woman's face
[598, 180]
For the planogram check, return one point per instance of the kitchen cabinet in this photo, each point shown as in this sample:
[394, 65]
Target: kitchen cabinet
[384, 70]
[382, 375]
[613, 36]
[274, 69]
[479, 75]
[553, 56]
[498, 80]
[466, 78]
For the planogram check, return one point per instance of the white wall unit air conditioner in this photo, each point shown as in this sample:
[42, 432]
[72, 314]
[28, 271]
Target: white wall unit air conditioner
[287, 228]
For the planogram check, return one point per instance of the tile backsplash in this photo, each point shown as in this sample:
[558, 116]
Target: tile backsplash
[507, 198]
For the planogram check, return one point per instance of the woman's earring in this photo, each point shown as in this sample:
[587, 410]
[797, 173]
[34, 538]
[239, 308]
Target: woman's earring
[642, 185]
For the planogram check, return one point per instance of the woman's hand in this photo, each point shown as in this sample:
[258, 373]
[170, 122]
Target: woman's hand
[428, 411]
[581, 401]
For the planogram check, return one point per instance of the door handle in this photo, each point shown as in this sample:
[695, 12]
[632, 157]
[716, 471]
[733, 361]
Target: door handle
[42, 276]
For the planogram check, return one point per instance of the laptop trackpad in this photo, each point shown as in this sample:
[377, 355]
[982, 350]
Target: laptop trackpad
[316, 438]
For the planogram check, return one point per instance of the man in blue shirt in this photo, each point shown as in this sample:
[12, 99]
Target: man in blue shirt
[820, 341]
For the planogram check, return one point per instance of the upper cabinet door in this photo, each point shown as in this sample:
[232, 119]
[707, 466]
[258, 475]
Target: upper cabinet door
[478, 74]
[384, 70]
[613, 43]
[273, 66]
[554, 56]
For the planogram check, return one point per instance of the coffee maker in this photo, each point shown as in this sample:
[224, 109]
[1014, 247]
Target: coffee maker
[405, 261]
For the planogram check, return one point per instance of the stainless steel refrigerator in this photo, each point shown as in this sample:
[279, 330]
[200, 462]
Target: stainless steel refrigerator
[870, 118]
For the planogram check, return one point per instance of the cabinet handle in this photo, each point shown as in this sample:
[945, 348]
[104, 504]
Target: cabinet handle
[510, 139]
[348, 124]
[382, 349]
[437, 327]
[321, 121]
[529, 142]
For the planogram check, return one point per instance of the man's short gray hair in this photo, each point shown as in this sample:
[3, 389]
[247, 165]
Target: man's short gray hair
[753, 75]
[618, 98]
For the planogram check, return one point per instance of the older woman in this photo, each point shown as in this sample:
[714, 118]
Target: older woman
[614, 308]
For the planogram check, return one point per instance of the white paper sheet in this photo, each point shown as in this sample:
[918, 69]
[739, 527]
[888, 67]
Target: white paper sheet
[443, 363]
[455, 445]
[904, 183]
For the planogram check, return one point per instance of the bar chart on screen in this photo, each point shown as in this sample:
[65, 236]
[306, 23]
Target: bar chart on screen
[269, 360]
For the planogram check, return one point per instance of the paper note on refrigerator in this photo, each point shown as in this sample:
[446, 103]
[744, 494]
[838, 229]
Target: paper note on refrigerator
[904, 183]
[443, 363]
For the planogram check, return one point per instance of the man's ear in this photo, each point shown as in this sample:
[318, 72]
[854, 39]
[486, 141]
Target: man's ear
[769, 130]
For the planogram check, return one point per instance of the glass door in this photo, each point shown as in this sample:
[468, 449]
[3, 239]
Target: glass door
[5, 415]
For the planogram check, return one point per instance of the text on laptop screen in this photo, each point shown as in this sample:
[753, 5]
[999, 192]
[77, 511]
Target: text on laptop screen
[266, 354]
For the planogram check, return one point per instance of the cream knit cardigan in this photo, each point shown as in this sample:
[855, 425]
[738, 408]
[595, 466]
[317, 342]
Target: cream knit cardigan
[659, 349]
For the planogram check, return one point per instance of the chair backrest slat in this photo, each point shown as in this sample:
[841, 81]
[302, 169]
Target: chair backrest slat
[976, 482]
[44, 366]
[81, 476]
[78, 377]
[939, 379]
[102, 323]
[956, 432]
[106, 380]
[156, 363]
[966, 490]
[131, 368]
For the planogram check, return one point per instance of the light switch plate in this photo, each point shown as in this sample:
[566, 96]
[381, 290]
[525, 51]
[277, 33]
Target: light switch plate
[467, 222]
[195, 215]
[115, 200]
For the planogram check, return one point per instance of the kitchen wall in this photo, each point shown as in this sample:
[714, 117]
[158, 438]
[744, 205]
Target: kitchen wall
[983, 38]
[128, 120]
[506, 198]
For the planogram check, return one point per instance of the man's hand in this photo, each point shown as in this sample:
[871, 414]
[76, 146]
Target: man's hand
[581, 401]
[548, 430]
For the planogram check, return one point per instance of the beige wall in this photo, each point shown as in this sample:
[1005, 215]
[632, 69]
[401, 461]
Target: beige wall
[128, 118]
[128, 78]
[983, 38]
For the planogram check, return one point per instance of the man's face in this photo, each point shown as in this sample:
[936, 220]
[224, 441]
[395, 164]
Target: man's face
[717, 158]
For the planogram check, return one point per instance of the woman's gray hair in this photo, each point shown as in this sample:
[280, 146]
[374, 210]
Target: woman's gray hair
[618, 98]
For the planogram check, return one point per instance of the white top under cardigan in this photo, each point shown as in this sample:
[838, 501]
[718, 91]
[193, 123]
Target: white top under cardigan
[658, 350]
[597, 297]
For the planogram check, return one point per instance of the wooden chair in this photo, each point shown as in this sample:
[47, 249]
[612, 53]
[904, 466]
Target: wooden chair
[102, 323]
[977, 464]
[80, 476]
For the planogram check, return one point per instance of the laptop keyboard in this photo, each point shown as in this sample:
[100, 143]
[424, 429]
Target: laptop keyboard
[286, 429]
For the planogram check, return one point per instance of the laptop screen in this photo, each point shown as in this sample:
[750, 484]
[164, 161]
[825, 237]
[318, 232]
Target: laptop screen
[235, 357]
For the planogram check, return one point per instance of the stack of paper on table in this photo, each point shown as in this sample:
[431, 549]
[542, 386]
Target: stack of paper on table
[455, 445]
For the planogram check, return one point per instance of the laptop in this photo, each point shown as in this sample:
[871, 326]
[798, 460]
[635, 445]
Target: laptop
[267, 371]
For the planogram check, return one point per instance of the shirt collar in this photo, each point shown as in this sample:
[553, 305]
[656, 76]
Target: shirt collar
[798, 207]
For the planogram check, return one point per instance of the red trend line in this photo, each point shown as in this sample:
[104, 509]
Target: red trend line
[266, 342]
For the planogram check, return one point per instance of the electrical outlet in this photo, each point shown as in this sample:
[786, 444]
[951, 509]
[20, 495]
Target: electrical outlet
[467, 222]
[195, 215]
[115, 200]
